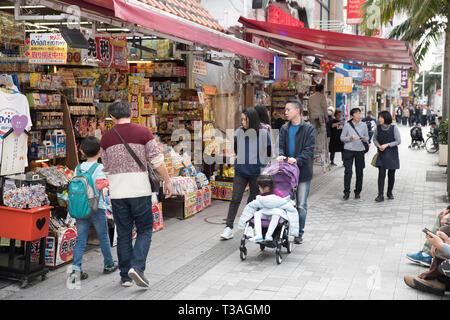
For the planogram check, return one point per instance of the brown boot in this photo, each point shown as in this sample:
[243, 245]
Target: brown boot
[409, 280]
[431, 286]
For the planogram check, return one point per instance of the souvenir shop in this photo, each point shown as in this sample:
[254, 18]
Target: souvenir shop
[52, 96]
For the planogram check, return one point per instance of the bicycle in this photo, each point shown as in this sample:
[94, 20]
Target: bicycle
[431, 144]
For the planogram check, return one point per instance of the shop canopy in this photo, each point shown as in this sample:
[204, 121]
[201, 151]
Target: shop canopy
[183, 19]
[335, 46]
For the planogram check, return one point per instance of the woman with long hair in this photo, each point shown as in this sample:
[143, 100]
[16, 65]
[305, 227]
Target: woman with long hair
[253, 148]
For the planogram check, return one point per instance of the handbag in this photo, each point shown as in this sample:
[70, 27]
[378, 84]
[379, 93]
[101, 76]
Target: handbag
[152, 176]
[365, 144]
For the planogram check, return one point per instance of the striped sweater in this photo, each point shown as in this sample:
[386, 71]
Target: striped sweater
[126, 179]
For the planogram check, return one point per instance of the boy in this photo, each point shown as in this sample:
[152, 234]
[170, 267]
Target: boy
[90, 148]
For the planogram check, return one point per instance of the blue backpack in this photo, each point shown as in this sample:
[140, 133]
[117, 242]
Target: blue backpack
[83, 202]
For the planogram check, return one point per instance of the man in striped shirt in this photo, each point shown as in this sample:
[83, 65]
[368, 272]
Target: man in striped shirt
[130, 189]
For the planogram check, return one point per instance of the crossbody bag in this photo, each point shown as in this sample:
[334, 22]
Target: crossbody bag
[152, 176]
[365, 144]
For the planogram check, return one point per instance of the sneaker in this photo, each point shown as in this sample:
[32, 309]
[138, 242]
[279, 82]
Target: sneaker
[126, 283]
[298, 240]
[346, 196]
[250, 232]
[256, 239]
[109, 269]
[75, 274]
[420, 258]
[138, 277]
[390, 196]
[409, 281]
[431, 286]
[227, 233]
[268, 239]
[379, 199]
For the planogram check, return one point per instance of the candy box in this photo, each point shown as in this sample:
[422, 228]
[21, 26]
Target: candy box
[49, 149]
[58, 138]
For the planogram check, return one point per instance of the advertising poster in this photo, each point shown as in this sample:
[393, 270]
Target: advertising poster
[46, 48]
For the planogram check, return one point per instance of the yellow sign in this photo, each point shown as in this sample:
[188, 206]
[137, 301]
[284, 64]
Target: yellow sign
[343, 85]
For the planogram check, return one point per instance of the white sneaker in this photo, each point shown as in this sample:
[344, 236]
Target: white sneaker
[227, 233]
[250, 232]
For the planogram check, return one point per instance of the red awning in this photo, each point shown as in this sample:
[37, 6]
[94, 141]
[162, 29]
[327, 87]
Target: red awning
[335, 46]
[148, 16]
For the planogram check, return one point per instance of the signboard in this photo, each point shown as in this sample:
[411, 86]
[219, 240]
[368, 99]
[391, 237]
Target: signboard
[404, 79]
[276, 15]
[206, 196]
[111, 52]
[369, 76]
[85, 57]
[46, 48]
[257, 67]
[193, 203]
[199, 66]
[14, 153]
[66, 243]
[357, 75]
[221, 190]
[343, 85]
[158, 222]
[354, 14]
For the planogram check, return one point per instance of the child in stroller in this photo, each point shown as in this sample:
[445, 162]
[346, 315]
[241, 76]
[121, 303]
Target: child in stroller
[276, 185]
[417, 140]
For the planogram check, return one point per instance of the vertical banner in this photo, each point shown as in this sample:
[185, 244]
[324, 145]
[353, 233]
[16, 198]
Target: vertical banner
[354, 14]
[112, 52]
[404, 79]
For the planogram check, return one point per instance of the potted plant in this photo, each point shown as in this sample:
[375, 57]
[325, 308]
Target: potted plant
[443, 142]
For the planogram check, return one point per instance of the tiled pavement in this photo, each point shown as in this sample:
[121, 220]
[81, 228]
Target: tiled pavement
[352, 250]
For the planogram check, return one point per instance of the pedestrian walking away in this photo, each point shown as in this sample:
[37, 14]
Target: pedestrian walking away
[371, 124]
[386, 139]
[353, 135]
[336, 144]
[252, 145]
[90, 148]
[296, 145]
[130, 189]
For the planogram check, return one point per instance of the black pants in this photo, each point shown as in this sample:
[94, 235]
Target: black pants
[332, 155]
[239, 184]
[348, 157]
[382, 178]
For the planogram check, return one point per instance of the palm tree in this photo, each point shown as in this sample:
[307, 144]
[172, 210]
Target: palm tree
[426, 21]
[432, 83]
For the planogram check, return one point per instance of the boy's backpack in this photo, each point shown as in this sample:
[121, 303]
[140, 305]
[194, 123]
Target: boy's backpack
[82, 199]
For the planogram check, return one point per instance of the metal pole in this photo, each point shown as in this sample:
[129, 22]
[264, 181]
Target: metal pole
[423, 85]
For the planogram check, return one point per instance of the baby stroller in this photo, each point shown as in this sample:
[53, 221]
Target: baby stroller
[286, 180]
[417, 140]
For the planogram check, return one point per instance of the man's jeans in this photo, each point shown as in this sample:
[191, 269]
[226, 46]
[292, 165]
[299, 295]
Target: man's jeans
[129, 212]
[302, 204]
[101, 226]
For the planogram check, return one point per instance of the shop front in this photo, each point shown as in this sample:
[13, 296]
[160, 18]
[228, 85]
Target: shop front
[53, 95]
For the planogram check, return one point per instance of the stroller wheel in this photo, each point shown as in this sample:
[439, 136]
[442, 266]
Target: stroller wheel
[262, 247]
[278, 257]
[289, 246]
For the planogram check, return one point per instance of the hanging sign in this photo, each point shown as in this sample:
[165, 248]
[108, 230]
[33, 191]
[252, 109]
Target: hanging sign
[199, 66]
[343, 84]
[14, 153]
[257, 67]
[111, 52]
[404, 79]
[369, 76]
[46, 48]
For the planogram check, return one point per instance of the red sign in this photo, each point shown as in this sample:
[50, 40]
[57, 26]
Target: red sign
[112, 52]
[326, 66]
[276, 15]
[369, 76]
[354, 14]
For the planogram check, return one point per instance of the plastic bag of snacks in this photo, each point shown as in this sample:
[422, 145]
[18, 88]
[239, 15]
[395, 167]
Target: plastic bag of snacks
[63, 198]
[183, 185]
[27, 197]
[201, 179]
[58, 176]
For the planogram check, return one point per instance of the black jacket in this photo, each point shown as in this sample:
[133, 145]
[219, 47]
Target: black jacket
[304, 148]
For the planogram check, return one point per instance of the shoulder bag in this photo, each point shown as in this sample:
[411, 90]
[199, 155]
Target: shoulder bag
[152, 176]
[365, 144]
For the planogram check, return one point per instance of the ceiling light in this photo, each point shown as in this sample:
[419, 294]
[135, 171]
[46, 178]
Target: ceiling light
[139, 61]
[237, 65]
[279, 51]
[22, 7]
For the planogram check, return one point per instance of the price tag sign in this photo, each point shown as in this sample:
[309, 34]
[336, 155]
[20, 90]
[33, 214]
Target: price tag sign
[221, 190]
